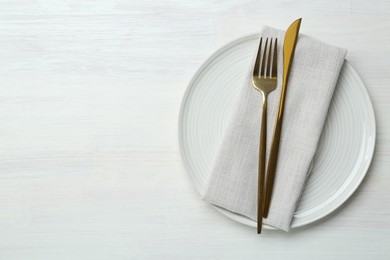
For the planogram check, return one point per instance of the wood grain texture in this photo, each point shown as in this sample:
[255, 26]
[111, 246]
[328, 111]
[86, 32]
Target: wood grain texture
[89, 159]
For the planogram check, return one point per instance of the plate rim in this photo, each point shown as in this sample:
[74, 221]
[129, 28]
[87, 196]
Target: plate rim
[242, 219]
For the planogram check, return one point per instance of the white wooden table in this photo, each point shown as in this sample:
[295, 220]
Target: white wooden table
[90, 93]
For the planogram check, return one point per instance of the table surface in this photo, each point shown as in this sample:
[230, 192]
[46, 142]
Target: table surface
[90, 166]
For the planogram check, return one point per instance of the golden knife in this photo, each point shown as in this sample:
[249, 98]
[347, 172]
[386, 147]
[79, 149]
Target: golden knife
[290, 41]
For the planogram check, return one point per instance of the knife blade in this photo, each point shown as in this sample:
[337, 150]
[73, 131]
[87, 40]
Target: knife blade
[290, 41]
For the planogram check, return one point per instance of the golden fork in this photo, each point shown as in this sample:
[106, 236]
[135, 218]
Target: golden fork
[264, 79]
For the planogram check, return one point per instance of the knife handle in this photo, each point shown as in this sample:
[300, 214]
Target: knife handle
[272, 163]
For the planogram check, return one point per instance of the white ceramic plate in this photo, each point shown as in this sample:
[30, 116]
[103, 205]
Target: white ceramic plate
[344, 153]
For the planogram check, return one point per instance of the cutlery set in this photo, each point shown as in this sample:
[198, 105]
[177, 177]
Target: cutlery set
[291, 81]
[264, 79]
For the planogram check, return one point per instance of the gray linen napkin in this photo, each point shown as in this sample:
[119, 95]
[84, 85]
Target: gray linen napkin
[233, 181]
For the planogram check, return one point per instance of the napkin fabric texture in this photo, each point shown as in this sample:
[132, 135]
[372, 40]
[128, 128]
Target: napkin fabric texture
[233, 182]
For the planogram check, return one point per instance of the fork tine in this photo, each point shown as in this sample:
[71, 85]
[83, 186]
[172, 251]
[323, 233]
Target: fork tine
[257, 63]
[275, 60]
[263, 68]
[269, 69]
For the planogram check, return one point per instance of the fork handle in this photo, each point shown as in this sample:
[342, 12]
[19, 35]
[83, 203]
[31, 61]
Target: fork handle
[261, 170]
